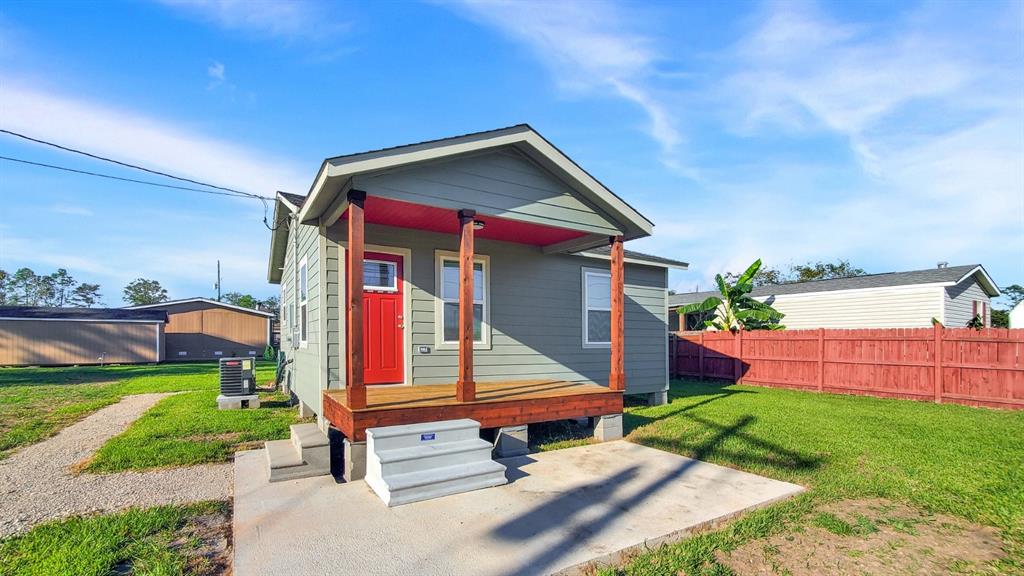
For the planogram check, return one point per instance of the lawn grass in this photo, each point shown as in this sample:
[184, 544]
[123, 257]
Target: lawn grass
[36, 403]
[146, 541]
[962, 461]
[187, 429]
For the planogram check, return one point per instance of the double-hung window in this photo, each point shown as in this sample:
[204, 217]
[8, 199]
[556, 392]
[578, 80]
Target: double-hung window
[448, 301]
[284, 316]
[303, 302]
[597, 308]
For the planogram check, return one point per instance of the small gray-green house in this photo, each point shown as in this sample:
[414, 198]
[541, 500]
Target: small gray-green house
[489, 259]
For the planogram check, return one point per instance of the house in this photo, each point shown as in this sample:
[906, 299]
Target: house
[40, 336]
[1017, 315]
[481, 276]
[953, 295]
[205, 329]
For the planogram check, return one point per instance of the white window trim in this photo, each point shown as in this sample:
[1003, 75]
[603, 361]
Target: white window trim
[583, 279]
[285, 315]
[394, 287]
[439, 257]
[303, 300]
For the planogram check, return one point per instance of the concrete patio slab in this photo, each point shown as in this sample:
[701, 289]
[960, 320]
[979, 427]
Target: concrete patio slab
[560, 511]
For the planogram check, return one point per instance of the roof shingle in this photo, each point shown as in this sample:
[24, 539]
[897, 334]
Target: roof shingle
[99, 314]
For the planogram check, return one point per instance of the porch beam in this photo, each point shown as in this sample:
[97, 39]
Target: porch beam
[465, 388]
[617, 376]
[355, 387]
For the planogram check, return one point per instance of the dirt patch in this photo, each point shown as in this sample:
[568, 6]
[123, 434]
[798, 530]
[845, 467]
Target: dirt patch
[205, 541]
[870, 537]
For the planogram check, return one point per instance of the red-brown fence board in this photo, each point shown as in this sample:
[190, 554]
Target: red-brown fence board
[973, 367]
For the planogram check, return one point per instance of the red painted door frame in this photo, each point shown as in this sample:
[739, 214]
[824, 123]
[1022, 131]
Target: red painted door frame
[384, 325]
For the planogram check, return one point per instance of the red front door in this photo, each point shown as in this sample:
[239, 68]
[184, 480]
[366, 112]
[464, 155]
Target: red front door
[384, 318]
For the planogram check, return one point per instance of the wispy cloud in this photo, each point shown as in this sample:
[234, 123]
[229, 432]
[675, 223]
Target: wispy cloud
[590, 49]
[287, 19]
[132, 136]
[215, 72]
[929, 107]
[71, 210]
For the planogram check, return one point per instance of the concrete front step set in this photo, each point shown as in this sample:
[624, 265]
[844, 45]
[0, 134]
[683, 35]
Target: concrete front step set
[414, 462]
[417, 462]
[306, 454]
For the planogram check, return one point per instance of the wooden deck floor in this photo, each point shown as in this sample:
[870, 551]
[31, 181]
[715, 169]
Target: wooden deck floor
[497, 404]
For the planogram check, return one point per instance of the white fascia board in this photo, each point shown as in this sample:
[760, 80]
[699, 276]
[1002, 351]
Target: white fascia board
[634, 260]
[993, 289]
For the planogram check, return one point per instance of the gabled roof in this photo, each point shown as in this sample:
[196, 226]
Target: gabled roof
[637, 257]
[208, 301]
[295, 201]
[81, 314]
[948, 276]
[285, 206]
[335, 173]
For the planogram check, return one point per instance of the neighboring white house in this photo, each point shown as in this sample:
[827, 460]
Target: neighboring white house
[1017, 315]
[951, 294]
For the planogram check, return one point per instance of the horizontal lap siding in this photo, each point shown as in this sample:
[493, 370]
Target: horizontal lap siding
[883, 308]
[305, 242]
[960, 301]
[502, 183]
[35, 342]
[536, 314]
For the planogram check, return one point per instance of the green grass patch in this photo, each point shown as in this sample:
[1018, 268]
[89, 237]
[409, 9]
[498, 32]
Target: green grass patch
[188, 429]
[833, 524]
[144, 541]
[940, 458]
[36, 403]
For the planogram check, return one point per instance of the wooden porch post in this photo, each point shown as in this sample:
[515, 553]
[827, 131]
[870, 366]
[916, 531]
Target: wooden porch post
[617, 376]
[465, 387]
[355, 388]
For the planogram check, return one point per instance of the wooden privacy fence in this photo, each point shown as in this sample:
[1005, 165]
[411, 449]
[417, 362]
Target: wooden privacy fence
[960, 365]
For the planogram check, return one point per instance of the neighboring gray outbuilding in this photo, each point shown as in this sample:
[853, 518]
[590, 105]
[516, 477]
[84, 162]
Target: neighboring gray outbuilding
[953, 295]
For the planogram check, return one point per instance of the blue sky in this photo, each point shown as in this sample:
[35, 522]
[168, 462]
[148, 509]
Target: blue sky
[889, 134]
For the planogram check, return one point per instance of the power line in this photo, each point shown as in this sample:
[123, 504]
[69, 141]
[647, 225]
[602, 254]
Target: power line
[128, 165]
[111, 177]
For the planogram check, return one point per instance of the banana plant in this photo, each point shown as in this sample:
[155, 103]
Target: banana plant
[735, 309]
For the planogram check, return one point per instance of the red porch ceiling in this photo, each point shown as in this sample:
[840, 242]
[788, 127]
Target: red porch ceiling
[417, 216]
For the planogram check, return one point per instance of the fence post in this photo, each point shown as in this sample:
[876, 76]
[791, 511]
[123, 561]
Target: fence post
[738, 362]
[821, 359]
[673, 342]
[938, 363]
[700, 357]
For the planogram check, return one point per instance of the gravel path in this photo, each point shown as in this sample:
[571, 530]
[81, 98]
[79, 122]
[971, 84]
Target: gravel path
[36, 484]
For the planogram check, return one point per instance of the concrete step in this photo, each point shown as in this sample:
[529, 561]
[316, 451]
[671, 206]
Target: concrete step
[409, 435]
[422, 461]
[286, 462]
[430, 456]
[427, 484]
[306, 437]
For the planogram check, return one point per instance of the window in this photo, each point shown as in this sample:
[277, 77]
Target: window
[284, 311]
[448, 290]
[597, 309]
[303, 303]
[380, 275]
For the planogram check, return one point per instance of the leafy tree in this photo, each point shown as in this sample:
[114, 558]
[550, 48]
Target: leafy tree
[735, 309]
[1014, 294]
[85, 295]
[4, 282]
[24, 288]
[825, 271]
[1000, 318]
[272, 304]
[764, 277]
[62, 286]
[239, 299]
[142, 291]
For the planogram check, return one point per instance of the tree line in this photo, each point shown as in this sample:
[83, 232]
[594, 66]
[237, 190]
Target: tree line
[27, 288]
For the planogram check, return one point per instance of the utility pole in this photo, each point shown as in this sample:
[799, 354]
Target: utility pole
[218, 281]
